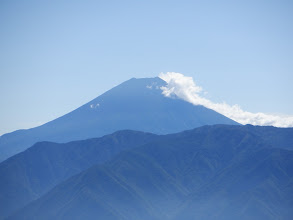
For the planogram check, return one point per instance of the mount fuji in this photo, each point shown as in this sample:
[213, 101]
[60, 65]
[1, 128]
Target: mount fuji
[137, 104]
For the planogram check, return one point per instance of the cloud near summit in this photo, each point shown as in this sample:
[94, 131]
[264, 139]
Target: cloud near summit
[185, 88]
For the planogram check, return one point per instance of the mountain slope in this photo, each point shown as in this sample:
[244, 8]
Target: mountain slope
[279, 137]
[212, 172]
[257, 186]
[28, 175]
[137, 104]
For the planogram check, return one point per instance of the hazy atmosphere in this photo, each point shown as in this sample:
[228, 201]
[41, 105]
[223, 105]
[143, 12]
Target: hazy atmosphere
[57, 55]
[149, 110]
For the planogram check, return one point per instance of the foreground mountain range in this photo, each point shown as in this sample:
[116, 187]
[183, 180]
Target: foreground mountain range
[137, 104]
[211, 172]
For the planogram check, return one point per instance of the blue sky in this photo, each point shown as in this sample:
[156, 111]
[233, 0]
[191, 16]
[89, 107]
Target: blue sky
[58, 55]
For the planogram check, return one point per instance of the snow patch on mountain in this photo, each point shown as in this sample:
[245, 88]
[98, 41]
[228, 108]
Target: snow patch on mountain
[95, 105]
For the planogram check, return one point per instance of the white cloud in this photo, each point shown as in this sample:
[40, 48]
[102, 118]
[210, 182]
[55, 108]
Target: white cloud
[185, 88]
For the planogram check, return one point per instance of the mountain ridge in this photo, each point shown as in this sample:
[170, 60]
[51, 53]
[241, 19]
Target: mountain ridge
[29, 174]
[48, 164]
[205, 173]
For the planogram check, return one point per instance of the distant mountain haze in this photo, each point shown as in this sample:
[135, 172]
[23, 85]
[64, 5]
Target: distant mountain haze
[212, 172]
[29, 174]
[137, 104]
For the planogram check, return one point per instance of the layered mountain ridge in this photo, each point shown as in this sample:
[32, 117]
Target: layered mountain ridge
[212, 172]
[133, 153]
[29, 174]
[168, 174]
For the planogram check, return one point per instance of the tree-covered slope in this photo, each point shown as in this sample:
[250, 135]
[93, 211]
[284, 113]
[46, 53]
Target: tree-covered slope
[28, 175]
[213, 172]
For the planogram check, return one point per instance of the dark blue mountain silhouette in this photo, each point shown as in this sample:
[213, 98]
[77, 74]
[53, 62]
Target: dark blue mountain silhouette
[29, 174]
[211, 172]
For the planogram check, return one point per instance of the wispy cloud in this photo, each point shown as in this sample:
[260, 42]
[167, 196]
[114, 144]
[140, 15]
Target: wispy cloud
[185, 88]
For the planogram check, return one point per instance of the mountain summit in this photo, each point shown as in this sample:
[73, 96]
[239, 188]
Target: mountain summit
[136, 104]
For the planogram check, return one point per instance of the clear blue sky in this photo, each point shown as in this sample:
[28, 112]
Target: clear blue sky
[57, 55]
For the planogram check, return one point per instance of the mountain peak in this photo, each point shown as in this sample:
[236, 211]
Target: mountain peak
[141, 83]
[136, 104]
